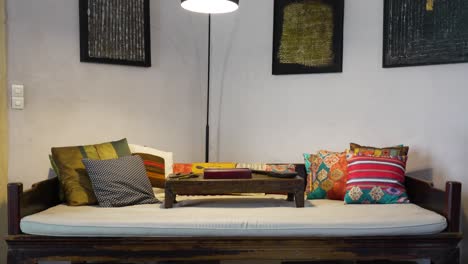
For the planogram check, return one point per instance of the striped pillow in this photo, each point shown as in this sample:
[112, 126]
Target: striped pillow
[387, 152]
[155, 169]
[376, 180]
[167, 156]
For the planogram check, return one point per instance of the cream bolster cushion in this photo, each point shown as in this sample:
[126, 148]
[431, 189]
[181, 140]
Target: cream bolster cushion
[167, 156]
[236, 216]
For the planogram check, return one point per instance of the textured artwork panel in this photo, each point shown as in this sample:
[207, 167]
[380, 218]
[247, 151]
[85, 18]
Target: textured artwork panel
[115, 31]
[421, 32]
[308, 36]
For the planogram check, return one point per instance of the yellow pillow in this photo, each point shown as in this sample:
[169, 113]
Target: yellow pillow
[74, 179]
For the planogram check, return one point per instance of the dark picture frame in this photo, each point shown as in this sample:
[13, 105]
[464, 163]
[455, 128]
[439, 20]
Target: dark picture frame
[424, 32]
[109, 45]
[334, 63]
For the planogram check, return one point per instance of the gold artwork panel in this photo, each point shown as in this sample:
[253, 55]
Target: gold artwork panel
[429, 5]
[307, 37]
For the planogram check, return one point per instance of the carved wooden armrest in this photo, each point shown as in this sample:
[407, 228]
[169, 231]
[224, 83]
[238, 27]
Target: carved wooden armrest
[446, 203]
[42, 195]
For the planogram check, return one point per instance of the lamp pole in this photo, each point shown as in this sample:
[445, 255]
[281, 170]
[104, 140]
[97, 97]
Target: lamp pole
[209, 7]
[207, 132]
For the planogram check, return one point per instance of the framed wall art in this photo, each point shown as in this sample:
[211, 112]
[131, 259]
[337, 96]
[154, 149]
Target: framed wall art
[308, 36]
[424, 32]
[115, 32]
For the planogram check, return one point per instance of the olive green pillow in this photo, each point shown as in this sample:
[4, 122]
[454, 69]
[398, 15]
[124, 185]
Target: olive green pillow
[73, 177]
[57, 173]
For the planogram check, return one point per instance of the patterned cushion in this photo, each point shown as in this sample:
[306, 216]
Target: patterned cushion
[329, 171]
[308, 160]
[376, 180]
[198, 168]
[72, 173]
[183, 168]
[154, 169]
[281, 167]
[120, 182]
[56, 171]
[395, 151]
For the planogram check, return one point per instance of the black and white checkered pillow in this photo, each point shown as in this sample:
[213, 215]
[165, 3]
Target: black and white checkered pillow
[120, 182]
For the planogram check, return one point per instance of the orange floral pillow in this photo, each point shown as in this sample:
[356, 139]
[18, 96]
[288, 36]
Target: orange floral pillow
[328, 174]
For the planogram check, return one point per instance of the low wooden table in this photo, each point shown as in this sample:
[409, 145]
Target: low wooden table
[294, 187]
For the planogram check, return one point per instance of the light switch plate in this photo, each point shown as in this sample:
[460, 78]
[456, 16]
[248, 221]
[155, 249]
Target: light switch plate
[17, 90]
[17, 103]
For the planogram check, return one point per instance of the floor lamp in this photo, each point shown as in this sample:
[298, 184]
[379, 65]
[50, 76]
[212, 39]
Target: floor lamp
[209, 7]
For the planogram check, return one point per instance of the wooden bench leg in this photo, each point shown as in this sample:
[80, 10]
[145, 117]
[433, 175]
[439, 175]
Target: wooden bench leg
[14, 257]
[169, 198]
[452, 258]
[299, 197]
[11, 258]
[191, 262]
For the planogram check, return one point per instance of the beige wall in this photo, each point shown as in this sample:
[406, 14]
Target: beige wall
[73, 103]
[3, 132]
[282, 117]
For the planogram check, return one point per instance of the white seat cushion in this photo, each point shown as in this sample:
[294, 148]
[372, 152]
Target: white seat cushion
[258, 215]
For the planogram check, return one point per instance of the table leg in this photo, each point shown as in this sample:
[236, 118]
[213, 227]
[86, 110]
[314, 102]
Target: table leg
[169, 198]
[299, 197]
[290, 197]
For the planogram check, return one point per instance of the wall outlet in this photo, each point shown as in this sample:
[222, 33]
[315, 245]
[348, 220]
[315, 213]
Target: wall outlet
[17, 103]
[17, 90]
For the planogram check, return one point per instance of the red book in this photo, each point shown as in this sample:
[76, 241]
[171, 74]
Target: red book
[222, 174]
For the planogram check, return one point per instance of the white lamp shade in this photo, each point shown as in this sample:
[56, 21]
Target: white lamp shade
[211, 6]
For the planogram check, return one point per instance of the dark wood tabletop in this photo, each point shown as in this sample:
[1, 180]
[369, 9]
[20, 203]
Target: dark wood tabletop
[293, 187]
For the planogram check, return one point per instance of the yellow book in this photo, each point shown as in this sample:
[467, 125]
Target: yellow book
[199, 168]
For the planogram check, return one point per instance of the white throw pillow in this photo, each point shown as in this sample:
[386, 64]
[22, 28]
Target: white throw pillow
[167, 156]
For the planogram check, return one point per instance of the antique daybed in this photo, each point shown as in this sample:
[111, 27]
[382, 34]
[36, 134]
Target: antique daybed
[234, 228]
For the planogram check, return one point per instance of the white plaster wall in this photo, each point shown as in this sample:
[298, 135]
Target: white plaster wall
[268, 118]
[255, 116]
[68, 102]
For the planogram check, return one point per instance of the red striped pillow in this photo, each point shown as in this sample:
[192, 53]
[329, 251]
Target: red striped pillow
[155, 169]
[376, 180]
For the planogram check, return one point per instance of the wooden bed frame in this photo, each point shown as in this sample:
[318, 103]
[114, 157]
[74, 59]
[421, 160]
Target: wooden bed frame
[441, 248]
